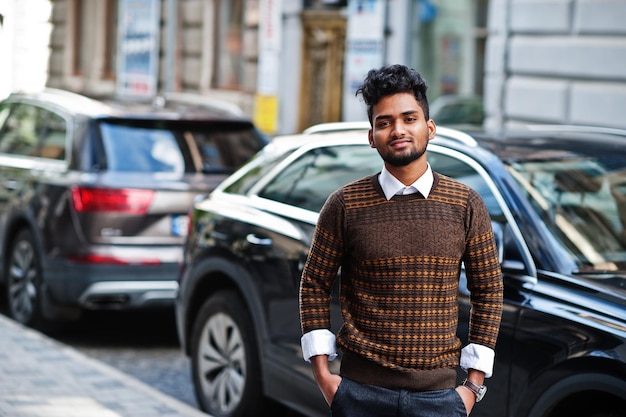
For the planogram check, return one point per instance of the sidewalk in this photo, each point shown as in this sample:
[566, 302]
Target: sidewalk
[42, 378]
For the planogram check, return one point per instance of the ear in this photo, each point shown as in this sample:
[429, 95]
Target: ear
[370, 138]
[432, 129]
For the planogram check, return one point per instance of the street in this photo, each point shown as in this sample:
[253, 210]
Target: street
[141, 344]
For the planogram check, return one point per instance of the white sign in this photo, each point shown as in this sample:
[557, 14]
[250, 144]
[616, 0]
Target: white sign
[138, 52]
[364, 51]
[270, 38]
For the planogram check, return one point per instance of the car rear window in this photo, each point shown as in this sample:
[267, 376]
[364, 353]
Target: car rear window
[177, 147]
[138, 149]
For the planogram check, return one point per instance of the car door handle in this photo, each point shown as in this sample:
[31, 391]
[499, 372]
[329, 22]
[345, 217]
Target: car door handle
[258, 241]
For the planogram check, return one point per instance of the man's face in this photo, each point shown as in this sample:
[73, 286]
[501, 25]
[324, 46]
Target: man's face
[400, 132]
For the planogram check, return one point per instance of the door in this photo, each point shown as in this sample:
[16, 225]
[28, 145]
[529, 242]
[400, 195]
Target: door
[322, 67]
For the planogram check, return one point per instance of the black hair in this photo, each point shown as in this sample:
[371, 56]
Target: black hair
[390, 80]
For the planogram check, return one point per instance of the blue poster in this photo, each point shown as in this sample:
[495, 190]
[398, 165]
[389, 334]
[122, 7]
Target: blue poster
[138, 48]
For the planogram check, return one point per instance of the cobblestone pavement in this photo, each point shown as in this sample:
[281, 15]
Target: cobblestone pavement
[43, 378]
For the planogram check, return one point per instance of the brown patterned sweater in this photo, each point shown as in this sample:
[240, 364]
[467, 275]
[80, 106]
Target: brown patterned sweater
[400, 261]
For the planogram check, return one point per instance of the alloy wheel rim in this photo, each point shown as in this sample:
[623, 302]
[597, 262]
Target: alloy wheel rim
[222, 363]
[22, 285]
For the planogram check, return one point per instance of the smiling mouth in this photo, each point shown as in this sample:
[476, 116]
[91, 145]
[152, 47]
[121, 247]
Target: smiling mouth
[399, 143]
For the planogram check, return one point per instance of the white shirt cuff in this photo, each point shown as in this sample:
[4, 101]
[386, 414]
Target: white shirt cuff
[318, 342]
[478, 357]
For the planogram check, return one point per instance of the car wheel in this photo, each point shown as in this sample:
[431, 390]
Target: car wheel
[225, 367]
[23, 272]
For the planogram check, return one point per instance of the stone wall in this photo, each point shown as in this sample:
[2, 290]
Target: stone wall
[188, 65]
[556, 61]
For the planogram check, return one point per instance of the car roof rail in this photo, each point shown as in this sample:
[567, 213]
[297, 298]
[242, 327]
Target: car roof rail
[70, 100]
[456, 135]
[199, 100]
[330, 127]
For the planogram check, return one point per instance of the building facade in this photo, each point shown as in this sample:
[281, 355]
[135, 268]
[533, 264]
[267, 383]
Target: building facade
[282, 61]
[293, 63]
[556, 61]
[24, 35]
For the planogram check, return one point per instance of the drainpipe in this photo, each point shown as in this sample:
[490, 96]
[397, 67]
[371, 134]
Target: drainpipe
[170, 46]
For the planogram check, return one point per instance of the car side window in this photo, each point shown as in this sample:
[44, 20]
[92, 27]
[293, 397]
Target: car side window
[53, 136]
[19, 133]
[309, 180]
[463, 172]
[32, 131]
[4, 113]
[243, 184]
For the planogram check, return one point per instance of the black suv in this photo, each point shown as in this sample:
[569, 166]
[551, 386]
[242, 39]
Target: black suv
[557, 199]
[95, 195]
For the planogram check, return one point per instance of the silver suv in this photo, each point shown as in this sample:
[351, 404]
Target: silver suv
[94, 197]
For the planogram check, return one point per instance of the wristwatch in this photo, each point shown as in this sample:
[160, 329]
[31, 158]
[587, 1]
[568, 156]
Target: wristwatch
[478, 390]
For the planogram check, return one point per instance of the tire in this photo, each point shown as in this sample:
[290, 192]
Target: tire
[224, 364]
[23, 273]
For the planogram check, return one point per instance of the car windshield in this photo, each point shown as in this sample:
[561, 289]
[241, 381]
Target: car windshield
[177, 147]
[582, 200]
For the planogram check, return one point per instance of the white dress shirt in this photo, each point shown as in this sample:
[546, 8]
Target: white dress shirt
[322, 341]
[392, 186]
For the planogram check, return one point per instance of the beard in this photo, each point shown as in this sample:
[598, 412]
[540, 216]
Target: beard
[400, 160]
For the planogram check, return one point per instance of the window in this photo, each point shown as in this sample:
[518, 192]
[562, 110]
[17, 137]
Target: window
[94, 27]
[141, 149]
[4, 113]
[225, 146]
[461, 171]
[447, 44]
[110, 45]
[19, 134]
[53, 136]
[32, 131]
[309, 180]
[178, 147]
[263, 165]
[80, 27]
[229, 62]
[580, 196]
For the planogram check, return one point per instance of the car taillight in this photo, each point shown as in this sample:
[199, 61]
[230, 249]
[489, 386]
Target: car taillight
[125, 200]
[112, 260]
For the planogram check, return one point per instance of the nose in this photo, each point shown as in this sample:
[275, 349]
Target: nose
[398, 129]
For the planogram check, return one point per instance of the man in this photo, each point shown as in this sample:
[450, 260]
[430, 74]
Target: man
[400, 238]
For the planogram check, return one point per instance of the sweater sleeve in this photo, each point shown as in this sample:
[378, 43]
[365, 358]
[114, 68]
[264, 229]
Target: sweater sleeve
[484, 277]
[322, 265]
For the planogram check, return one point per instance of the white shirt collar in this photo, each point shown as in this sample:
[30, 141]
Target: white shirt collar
[392, 186]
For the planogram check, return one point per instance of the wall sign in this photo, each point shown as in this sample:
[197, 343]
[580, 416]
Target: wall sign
[138, 47]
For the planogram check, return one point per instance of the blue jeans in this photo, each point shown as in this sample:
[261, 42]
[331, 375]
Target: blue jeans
[354, 399]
